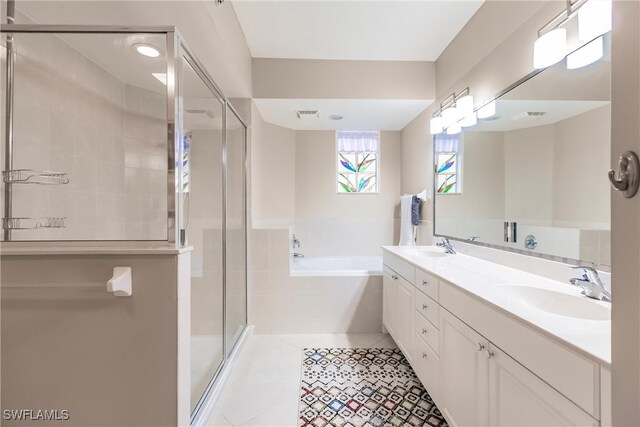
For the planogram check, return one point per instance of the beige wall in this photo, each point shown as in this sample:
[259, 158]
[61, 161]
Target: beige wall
[529, 166]
[333, 79]
[582, 153]
[483, 183]
[273, 167]
[69, 344]
[625, 231]
[316, 193]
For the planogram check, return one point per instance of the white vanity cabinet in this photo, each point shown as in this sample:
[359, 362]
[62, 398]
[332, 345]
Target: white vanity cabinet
[464, 369]
[482, 368]
[396, 309]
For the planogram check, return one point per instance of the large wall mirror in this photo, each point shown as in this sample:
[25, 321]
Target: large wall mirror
[533, 176]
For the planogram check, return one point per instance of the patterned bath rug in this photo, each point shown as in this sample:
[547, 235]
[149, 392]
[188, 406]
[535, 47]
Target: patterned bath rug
[363, 387]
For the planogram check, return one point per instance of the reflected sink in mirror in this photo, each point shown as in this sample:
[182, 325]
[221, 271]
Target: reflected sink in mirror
[579, 307]
[427, 251]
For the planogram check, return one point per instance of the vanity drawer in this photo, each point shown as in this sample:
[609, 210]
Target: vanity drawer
[400, 266]
[427, 283]
[428, 332]
[427, 366]
[426, 307]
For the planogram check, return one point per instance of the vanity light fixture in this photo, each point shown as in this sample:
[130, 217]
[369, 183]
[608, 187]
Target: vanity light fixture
[594, 20]
[454, 112]
[550, 48]
[586, 55]
[146, 49]
[487, 110]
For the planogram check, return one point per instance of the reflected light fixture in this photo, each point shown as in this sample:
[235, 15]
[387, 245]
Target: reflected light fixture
[465, 105]
[469, 120]
[436, 125]
[146, 50]
[594, 19]
[455, 111]
[550, 48]
[454, 129]
[586, 55]
[487, 110]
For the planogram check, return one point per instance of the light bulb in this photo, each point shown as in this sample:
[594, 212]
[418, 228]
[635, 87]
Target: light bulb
[487, 110]
[586, 55]
[469, 120]
[465, 105]
[146, 50]
[594, 19]
[435, 125]
[454, 129]
[450, 116]
[550, 48]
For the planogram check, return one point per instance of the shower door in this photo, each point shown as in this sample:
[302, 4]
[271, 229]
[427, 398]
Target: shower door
[201, 181]
[236, 231]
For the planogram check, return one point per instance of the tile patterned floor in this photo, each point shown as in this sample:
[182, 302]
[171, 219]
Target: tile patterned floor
[264, 388]
[363, 387]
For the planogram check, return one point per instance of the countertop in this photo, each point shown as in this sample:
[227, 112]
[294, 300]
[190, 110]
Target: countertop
[80, 248]
[479, 278]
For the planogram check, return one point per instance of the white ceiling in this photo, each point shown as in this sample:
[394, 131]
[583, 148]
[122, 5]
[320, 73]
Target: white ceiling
[417, 30]
[508, 113]
[365, 114]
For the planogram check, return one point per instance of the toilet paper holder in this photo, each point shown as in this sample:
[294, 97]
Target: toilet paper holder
[121, 283]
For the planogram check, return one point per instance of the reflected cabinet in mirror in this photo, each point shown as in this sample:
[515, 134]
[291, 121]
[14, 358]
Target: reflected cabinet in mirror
[533, 176]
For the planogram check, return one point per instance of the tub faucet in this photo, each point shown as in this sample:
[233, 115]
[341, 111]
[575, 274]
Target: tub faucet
[591, 284]
[297, 255]
[295, 243]
[447, 246]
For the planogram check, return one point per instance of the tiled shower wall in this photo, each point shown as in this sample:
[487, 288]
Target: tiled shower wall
[110, 137]
[280, 304]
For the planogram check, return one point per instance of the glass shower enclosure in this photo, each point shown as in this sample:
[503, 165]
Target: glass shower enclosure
[119, 136]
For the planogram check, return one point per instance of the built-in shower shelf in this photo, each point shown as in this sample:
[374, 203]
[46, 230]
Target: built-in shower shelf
[30, 176]
[32, 223]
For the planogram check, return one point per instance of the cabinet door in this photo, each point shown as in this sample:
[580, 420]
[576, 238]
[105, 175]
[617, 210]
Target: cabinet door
[404, 320]
[464, 367]
[519, 398]
[389, 297]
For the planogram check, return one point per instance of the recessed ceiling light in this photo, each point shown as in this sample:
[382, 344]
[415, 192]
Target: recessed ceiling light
[162, 77]
[146, 50]
[336, 117]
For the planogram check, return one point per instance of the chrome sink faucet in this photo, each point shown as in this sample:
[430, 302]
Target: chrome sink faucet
[447, 246]
[591, 284]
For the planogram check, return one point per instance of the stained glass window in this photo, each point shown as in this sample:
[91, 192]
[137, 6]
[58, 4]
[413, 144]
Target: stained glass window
[448, 155]
[358, 158]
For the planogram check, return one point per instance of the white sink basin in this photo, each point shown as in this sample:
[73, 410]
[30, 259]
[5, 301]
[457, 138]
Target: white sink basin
[426, 252]
[554, 302]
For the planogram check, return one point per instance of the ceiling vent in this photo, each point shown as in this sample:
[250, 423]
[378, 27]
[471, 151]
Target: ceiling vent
[528, 114]
[308, 114]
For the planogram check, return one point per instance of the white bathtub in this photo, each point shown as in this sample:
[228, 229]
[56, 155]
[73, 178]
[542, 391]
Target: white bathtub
[337, 266]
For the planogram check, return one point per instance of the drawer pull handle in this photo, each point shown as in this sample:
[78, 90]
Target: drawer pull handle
[424, 306]
[489, 354]
[424, 355]
[424, 331]
[394, 277]
[424, 283]
[480, 347]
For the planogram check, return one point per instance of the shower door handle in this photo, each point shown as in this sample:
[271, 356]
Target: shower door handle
[626, 179]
